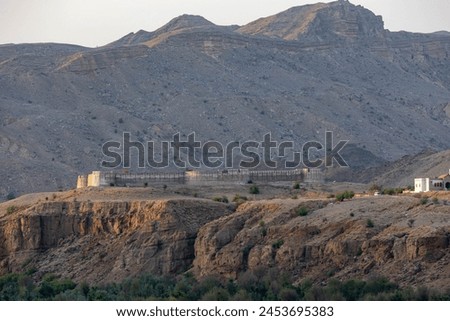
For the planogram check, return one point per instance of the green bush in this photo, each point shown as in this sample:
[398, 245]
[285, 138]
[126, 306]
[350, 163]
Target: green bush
[296, 185]
[302, 211]
[392, 191]
[388, 191]
[10, 196]
[374, 188]
[370, 223]
[10, 209]
[424, 200]
[276, 245]
[222, 199]
[254, 190]
[263, 229]
[345, 195]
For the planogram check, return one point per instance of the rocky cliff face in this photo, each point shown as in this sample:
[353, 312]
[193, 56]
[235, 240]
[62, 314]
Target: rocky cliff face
[408, 243]
[105, 241]
[102, 241]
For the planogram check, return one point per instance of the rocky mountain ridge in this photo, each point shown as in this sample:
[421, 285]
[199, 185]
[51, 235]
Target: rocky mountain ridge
[325, 67]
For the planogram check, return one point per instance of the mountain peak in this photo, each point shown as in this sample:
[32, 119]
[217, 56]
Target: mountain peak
[324, 21]
[185, 22]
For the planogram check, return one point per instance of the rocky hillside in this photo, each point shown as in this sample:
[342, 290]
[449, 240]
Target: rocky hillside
[107, 235]
[296, 74]
[102, 241]
[400, 173]
[395, 237]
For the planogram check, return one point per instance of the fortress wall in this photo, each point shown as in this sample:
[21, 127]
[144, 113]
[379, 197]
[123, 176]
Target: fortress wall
[277, 175]
[313, 175]
[141, 180]
[196, 177]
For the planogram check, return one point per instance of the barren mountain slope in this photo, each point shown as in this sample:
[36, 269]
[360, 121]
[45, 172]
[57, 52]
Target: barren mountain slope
[400, 173]
[388, 93]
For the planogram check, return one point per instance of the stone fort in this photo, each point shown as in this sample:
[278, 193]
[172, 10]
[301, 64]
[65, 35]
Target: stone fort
[103, 179]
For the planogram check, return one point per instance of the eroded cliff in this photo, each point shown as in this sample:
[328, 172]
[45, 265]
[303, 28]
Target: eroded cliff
[87, 236]
[104, 241]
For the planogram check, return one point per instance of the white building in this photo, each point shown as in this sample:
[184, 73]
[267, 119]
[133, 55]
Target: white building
[440, 183]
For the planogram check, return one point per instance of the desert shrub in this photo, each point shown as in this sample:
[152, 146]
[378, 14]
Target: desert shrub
[435, 200]
[276, 245]
[345, 195]
[392, 191]
[263, 228]
[370, 223]
[10, 196]
[302, 211]
[222, 199]
[216, 294]
[10, 209]
[254, 190]
[424, 200]
[238, 199]
[52, 285]
[374, 188]
[296, 185]
[388, 191]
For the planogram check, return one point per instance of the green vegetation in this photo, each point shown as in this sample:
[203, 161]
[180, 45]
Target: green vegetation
[10, 196]
[389, 190]
[238, 199]
[254, 189]
[424, 200]
[345, 195]
[222, 199]
[302, 211]
[10, 209]
[296, 186]
[263, 228]
[375, 188]
[276, 245]
[370, 223]
[250, 285]
[392, 191]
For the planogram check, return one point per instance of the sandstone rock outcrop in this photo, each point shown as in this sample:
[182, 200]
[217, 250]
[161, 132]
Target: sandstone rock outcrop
[105, 241]
[87, 236]
[408, 243]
